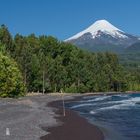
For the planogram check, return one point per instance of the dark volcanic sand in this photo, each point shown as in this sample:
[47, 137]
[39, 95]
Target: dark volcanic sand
[74, 128]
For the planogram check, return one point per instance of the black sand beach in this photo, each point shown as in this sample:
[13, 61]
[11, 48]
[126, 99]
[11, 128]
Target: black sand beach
[74, 127]
[25, 118]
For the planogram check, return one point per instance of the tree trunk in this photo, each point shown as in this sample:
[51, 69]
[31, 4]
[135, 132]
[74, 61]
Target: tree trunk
[43, 81]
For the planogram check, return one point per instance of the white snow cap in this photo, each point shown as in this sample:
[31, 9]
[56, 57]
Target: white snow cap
[103, 26]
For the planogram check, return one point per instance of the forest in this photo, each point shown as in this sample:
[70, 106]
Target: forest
[45, 64]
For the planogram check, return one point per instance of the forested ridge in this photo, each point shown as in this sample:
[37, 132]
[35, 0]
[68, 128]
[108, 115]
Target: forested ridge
[45, 64]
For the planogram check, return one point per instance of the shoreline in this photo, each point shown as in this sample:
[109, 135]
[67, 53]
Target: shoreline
[73, 126]
[61, 121]
[26, 116]
[82, 94]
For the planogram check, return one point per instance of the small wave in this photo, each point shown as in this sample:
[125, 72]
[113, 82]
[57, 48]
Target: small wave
[125, 105]
[80, 105]
[116, 107]
[130, 100]
[136, 99]
[92, 112]
[120, 106]
[123, 96]
[97, 99]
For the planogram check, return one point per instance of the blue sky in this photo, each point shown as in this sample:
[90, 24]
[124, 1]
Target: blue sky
[64, 18]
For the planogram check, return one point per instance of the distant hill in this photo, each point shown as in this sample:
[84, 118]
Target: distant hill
[135, 48]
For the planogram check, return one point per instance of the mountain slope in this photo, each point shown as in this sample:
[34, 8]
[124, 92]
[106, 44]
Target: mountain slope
[102, 33]
[135, 48]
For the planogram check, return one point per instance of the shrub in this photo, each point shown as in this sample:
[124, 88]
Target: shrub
[11, 82]
[82, 88]
[71, 89]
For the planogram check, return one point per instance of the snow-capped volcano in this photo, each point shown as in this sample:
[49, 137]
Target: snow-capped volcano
[102, 33]
[101, 26]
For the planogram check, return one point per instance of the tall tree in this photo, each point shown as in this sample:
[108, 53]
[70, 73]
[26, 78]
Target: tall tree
[11, 84]
[6, 38]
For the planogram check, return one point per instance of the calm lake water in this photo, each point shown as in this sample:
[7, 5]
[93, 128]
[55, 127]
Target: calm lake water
[118, 116]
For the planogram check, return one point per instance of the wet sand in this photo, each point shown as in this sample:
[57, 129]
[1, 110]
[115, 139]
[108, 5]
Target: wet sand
[74, 127]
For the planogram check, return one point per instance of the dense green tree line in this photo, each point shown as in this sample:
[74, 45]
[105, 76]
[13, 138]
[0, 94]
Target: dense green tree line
[49, 65]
